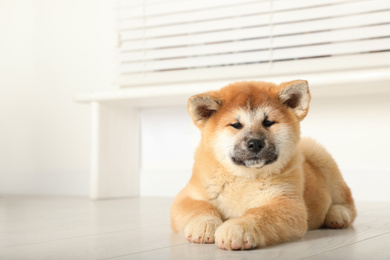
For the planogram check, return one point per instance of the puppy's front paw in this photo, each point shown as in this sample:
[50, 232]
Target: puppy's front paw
[201, 229]
[338, 216]
[235, 234]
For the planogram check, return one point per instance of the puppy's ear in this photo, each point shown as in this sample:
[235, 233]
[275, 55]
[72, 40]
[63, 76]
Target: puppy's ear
[295, 95]
[201, 107]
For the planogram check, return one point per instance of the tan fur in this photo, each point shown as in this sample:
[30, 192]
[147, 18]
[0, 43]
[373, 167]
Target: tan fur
[258, 203]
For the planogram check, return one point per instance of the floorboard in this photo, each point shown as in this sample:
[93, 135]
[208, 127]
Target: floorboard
[77, 228]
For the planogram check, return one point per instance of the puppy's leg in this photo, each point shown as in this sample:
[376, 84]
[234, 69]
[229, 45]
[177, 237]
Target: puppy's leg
[197, 219]
[279, 221]
[342, 210]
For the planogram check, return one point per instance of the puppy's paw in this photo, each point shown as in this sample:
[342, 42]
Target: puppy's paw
[201, 229]
[235, 234]
[338, 216]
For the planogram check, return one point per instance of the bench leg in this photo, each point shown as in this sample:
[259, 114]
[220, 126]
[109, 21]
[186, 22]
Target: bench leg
[115, 151]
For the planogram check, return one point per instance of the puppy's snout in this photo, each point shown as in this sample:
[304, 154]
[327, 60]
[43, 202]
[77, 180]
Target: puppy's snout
[255, 145]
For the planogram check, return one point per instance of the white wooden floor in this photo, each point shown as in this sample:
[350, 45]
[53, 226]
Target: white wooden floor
[77, 228]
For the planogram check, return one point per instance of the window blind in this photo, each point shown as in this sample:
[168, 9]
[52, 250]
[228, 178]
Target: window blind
[162, 41]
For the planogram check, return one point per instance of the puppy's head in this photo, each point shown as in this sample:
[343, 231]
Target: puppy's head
[251, 127]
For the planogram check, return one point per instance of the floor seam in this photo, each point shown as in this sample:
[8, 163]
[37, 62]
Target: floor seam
[75, 237]
[330, 250]
[150, 250]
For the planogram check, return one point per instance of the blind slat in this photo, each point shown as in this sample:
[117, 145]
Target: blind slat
[203, 14]
[178, 64]
[183, 27]
[122, 4]
[182, 7]
[339, 10]
[359, 20]
[332, 49]
[181, 11]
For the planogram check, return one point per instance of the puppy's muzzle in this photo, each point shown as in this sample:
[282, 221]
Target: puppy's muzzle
[254, 153]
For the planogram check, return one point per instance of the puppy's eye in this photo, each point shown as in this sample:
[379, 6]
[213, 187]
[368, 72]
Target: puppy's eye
[237, 125]
[267, 123]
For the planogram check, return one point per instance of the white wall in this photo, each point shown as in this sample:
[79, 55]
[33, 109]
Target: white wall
[50, 50]
[354, 128]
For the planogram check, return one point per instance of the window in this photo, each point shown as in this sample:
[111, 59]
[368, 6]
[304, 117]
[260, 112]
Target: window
[163, 42]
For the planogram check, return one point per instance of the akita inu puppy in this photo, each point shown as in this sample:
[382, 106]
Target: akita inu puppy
[254, 182]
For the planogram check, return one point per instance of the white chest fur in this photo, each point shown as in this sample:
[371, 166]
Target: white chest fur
[232, 197]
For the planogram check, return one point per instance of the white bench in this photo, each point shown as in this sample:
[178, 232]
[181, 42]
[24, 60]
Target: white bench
[115, 151]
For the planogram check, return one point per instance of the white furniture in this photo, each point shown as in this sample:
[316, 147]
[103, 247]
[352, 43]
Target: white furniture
[115, 151]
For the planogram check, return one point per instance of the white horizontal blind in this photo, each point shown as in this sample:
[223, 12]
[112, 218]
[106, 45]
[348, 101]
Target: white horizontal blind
[164, 41]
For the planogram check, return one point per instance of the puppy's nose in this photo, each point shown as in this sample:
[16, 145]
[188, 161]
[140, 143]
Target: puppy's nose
[255, 145]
